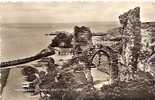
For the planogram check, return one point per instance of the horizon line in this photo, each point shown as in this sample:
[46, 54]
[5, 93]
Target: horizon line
[54, 22]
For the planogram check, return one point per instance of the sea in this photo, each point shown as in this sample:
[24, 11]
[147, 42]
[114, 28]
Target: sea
[20, 40]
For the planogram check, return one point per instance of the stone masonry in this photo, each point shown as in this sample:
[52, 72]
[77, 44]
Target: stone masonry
[131, 33]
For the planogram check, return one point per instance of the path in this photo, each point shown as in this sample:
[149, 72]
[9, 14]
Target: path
[13, 88]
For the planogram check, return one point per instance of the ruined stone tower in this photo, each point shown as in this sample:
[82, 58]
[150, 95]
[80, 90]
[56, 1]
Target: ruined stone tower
[131, 33]
[82, 38]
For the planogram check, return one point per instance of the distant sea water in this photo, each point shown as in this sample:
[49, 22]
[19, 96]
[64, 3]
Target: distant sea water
[19, 40]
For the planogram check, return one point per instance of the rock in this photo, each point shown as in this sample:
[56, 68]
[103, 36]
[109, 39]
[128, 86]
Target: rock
[140, 89]
[63, 40]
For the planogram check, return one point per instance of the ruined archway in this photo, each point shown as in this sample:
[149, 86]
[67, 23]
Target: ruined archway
[107, 61]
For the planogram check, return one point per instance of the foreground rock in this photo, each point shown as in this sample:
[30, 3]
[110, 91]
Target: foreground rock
[142, 88]
[139, 89]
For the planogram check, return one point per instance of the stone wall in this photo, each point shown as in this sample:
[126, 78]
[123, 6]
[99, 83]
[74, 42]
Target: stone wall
[82, 37]
[146, 50]
[131, 33]
[150, 30]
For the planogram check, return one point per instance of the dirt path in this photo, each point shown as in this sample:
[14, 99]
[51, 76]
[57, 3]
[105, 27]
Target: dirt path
[13, 89]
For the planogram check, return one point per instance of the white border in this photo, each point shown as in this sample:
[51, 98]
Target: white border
[14, 1]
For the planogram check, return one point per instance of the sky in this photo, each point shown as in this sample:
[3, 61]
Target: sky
[70, 12]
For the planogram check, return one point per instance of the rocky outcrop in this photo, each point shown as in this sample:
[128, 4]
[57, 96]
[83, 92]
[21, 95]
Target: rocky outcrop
[140, 89]
[62, 40]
